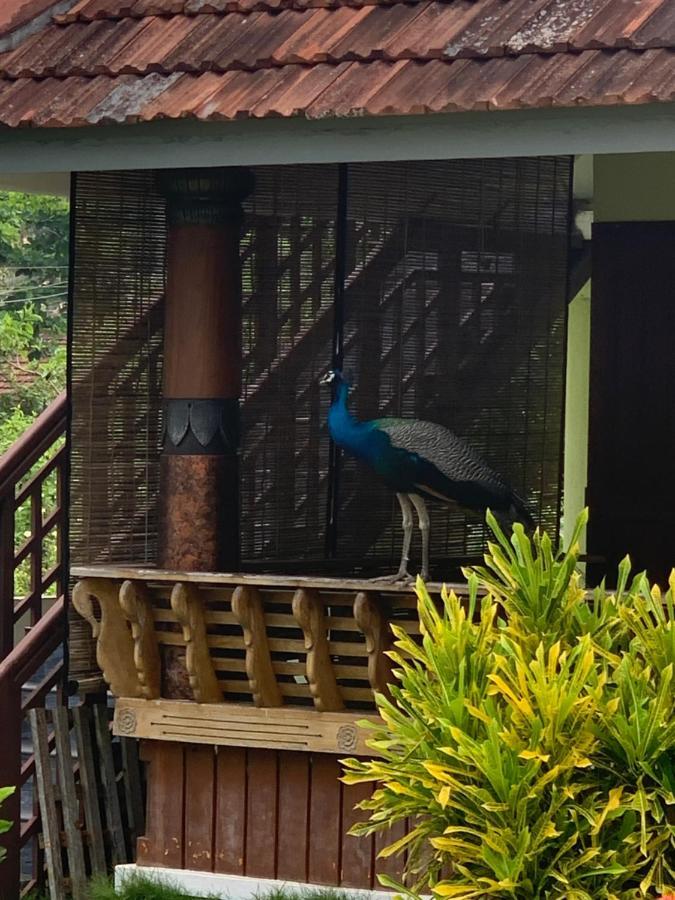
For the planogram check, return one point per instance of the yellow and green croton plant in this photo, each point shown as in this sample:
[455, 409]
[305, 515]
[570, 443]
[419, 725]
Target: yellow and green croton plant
[529, 737]
[5, 792]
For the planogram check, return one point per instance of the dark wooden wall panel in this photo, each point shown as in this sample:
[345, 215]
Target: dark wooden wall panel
[199, 807]
[162, 844]
[357, 860]
[392, 865]
[631, 477]
[230, 831]
[325, 831]
[260, 813]
[294, 781]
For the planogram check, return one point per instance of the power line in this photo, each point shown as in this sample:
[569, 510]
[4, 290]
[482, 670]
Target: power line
[26, 300]
[37, 287]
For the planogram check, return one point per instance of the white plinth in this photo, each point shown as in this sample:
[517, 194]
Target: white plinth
[232, 887]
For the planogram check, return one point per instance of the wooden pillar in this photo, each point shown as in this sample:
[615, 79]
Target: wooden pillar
[199, 528]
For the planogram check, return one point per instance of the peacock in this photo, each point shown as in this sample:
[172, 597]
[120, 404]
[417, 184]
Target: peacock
[421, 461]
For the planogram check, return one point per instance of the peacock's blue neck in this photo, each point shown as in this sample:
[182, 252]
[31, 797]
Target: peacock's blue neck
[345, 430]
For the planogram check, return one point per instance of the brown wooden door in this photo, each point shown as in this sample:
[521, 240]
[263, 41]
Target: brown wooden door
[631, 468]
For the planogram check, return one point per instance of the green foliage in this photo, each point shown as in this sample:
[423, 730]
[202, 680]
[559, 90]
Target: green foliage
[33, 321]
[33, 292]
[33, 354]
[33, 230]
[4, 824]
[530, 739]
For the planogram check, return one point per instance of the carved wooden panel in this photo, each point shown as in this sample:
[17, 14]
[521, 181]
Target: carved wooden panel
[308, 610]
[372, 622]
[247, 608]
[114, 641]
[230, 725]
[136, 605]
[188, 606]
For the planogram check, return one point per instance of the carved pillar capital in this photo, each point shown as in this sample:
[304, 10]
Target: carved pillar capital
[201, 426]
[210, 196]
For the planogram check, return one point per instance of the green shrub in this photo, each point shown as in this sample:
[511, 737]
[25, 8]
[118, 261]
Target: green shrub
[530, 738]
[4, 824]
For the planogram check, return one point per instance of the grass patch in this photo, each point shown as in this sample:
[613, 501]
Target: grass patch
[282, 893]
[141, 887]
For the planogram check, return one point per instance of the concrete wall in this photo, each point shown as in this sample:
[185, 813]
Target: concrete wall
[634, 187]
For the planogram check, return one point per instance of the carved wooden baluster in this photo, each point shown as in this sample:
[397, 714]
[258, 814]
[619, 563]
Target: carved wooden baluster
[187, 603]
[248, 610]
[375, 629]
[137, 607]
[308, 611]
[114, 643]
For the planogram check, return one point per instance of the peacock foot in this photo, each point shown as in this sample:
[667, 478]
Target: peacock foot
[396, 578]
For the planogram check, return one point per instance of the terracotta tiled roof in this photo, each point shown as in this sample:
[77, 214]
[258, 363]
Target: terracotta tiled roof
[131, 60]
[16, 13]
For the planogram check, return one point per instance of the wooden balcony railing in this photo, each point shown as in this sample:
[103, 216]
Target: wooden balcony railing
[32, 616]
[32, 468]
[282, 662]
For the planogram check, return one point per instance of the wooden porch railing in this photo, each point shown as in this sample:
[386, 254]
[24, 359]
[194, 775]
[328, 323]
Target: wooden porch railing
[32, 626]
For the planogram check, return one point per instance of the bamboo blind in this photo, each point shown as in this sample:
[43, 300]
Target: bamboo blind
[453, 309]
[118, 246]
[455, 313]
[118, 284]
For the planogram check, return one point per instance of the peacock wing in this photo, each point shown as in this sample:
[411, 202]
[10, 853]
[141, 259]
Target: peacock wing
[454, 460]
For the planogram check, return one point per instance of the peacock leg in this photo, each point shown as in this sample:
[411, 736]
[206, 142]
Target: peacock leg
[408, 524]
[407, 512]
[423, 516]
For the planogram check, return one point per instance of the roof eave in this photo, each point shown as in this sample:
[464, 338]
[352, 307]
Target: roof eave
[185, 143]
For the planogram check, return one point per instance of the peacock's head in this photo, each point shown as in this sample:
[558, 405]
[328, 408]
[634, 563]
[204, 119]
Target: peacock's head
[335, 377]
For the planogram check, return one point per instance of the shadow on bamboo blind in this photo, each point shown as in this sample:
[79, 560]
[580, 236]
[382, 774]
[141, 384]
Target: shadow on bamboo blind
[119, 238]
[288, 290]
[451, 307]
[455, 312]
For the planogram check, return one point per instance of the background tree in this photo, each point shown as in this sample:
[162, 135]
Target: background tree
[33, 307]
[33, 327]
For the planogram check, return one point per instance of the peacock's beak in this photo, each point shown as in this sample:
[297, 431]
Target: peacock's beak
[328, 378]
